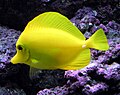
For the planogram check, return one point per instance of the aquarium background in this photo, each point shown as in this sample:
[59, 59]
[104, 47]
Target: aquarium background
[100, 77]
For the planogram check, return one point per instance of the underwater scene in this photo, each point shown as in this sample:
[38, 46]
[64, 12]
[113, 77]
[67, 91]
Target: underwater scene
[59, 47]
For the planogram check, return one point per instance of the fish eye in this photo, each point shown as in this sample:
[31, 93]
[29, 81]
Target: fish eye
[19, 47]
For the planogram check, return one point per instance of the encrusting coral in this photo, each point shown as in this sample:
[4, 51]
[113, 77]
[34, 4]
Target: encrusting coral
[100, 77]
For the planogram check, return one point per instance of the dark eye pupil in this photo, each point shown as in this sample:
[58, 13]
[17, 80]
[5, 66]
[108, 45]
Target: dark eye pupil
[20, 48]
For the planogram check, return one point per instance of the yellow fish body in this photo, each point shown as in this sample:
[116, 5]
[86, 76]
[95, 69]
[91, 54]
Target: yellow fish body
[51, 41]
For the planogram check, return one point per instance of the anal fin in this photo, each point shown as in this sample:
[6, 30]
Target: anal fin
[82, 60]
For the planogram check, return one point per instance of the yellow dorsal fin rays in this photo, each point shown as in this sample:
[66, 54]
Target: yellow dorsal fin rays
[98, 41]
[54, 20]
[79, 62]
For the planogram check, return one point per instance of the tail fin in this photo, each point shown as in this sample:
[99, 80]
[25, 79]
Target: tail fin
[98, 41]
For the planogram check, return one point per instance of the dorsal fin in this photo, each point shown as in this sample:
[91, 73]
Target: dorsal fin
[54, 20]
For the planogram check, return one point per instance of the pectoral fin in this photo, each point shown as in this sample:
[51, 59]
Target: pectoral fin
[33, 71]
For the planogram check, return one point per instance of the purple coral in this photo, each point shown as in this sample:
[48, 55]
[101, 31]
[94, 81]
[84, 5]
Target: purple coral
[100, 77]
[8, 38]
[95, 89]
[85, 19]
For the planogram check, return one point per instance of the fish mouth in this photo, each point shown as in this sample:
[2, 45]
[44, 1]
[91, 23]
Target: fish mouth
[25, 59]
[13, 60]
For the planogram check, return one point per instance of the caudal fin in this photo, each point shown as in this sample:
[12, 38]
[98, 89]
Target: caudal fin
[98, 41]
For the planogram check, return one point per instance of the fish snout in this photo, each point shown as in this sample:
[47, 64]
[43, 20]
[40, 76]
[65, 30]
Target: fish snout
[13, 60]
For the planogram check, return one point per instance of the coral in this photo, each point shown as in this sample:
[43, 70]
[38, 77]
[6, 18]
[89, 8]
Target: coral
[16, 14]
[95, 79]
[12, 76]
[100, 77]
[108, 13]
[8, 38]
[49, 78]
[85, 18]
[7, 91]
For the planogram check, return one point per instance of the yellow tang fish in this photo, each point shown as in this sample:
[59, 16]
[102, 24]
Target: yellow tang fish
[51, 41]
